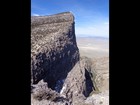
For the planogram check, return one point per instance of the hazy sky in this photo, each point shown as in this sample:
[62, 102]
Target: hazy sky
[91, 16]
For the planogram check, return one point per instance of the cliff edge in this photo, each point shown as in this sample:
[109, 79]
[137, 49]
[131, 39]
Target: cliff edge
[58, 75]
[54, 51]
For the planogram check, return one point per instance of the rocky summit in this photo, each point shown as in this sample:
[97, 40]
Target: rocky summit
[54, 51]
[59, 76]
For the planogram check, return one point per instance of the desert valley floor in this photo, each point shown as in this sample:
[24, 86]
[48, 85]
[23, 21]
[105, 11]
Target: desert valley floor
[93, 47]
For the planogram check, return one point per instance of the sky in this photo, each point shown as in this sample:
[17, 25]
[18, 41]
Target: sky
[91, 16]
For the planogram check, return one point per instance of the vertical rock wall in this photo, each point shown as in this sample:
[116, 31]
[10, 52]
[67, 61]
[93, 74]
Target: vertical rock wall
[54, 51]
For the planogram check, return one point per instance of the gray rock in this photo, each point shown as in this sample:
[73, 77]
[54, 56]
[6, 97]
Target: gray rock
[100, 71]
[58, 75]
[98, 99]
[42, 92]
[78, 84]
[54, 50]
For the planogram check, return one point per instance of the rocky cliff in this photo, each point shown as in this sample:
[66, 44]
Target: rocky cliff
[54, 51]
[58, 75]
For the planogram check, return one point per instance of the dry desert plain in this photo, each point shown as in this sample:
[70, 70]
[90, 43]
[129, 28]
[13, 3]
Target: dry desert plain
[93, 47]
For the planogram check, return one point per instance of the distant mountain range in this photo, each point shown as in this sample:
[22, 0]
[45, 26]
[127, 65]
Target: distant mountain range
[86, 36]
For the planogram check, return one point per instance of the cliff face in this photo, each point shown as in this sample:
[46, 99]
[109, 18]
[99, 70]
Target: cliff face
[54, 51]
[78, 84]
[58, 75]
[76, 88]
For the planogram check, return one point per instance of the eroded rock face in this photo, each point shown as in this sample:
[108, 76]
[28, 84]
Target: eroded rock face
[54, 50]
[58, 75]
[78, 84]
[42, 95]
[100, 69]
[76, 88]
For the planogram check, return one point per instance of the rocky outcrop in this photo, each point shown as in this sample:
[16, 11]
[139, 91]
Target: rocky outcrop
[58, 75]
[77, 86]
[100, 71]
[42, 95]
[54, 50]
[98, 99]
